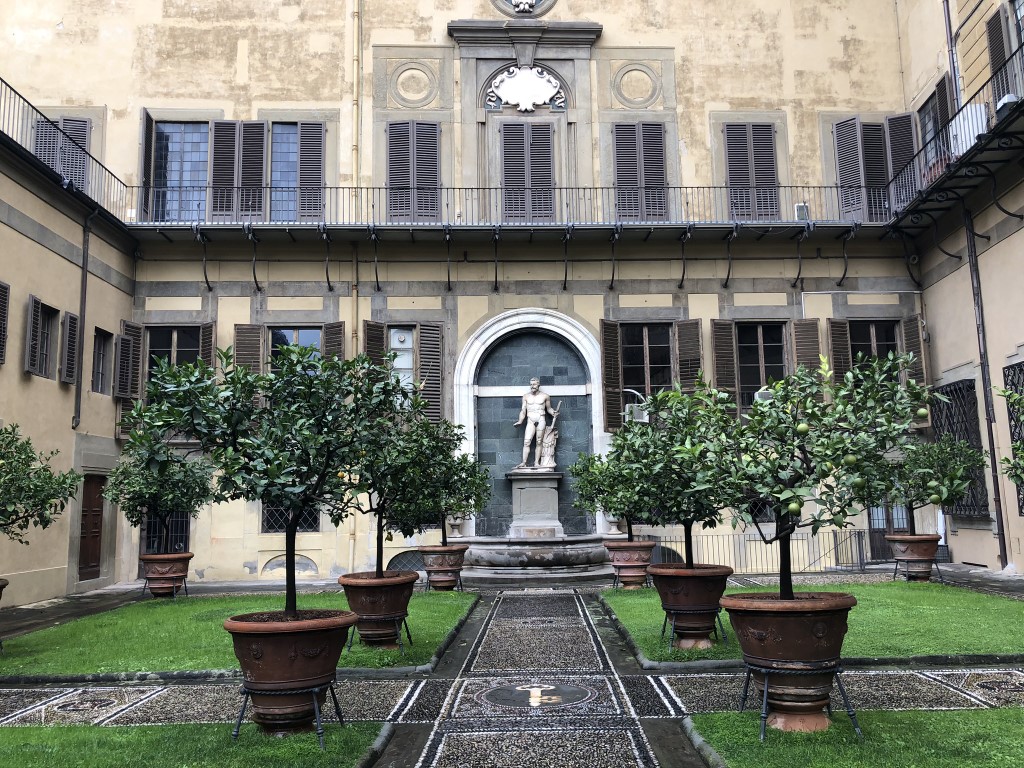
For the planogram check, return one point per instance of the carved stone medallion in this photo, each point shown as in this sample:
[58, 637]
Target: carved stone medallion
[523, 8]
[525, 88]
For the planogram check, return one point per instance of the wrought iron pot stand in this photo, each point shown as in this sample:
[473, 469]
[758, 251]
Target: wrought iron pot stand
[314, 692]
[719, 630]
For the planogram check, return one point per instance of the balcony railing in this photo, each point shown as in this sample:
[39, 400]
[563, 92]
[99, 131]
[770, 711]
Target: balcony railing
[45, 139]
[501, 206]
[979, 115]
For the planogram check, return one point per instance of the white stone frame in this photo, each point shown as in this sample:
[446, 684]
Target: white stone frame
[535, 319]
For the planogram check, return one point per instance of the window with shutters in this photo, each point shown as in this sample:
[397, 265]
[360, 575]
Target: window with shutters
[751, 171]
[413, 171]
[867, 155]
[63, 144]
[1004, 79]
[876, 338]
[175, 344]
[102, 344]
[280, 337]
[419, 357]
[640, 172]
[760, 356]
[40, 338]
[527, 171]
[873, 338]
[639, 359]
[957, 415]
[180, 165]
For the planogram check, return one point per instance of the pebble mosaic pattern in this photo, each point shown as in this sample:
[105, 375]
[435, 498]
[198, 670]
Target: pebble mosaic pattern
[505, 750]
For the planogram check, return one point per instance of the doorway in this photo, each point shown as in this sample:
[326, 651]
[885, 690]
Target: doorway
[90, 540]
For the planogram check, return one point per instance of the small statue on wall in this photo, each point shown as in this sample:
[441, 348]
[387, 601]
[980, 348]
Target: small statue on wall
[535, 410]
[523, 6]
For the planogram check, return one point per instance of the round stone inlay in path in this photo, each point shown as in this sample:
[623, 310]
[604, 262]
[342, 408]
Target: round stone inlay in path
[538, 695]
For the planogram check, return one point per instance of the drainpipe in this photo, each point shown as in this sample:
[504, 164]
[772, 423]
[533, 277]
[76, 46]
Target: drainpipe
[82, 295]
[986, 383]
[951, 52]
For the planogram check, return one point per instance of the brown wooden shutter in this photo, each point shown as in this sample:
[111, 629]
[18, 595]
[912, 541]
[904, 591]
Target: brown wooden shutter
[223, 169]
[944, 101]
[913, 342]
[33, 332]
[249, 347]
[876, 170]
[902, 146]
[124, 353]
[148, 136]
[208, 343]
[375, 341]
[311, 175]
[839, 343]
[653, 171]
[399, 170]
[806, 344]
[514, 179]
[611, 372]
[541, 170]
[738, 173]
[431, 368]
[765, 170]
[5, 306]
[69, 348]
[74, 150]
[333, 340]
[625, 144]
[688, 334]
[135, 332]
[849, 168]
[426, 180]
[252, 163]
[998, 52]
[723, 348]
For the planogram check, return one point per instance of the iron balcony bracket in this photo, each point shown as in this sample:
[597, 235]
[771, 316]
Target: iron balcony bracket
[565, 255]
[687, 234]
[496, 238]
[847, 237]
[800, 237]
[728, 252]
[202, 239]
[448, 247]
[255, 240]
[326, 237]
[371, 232]
[616, 234]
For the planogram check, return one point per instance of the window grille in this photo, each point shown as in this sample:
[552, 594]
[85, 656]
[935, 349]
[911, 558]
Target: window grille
[958, 417]
[178, 538]
[275, 520]
[410, 560]
[1013, 379]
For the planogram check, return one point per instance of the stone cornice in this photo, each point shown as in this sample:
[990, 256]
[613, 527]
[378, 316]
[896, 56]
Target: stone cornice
[474, 32]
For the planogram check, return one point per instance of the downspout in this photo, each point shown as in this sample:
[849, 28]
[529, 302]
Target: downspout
[82, 296]
[986, 383]
[951, 53]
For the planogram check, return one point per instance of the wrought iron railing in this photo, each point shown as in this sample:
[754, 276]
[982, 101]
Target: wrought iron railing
[1013, 379]
[978, 115]
[500, 206]
[957, 415]
[827, 551]
[30, 128]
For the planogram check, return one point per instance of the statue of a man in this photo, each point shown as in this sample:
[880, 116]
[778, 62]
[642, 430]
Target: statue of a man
[535, 410]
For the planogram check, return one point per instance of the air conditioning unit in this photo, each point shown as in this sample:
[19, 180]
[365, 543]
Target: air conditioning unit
[1005, 104]
[635, 412]
[802, 212]
[763, 395]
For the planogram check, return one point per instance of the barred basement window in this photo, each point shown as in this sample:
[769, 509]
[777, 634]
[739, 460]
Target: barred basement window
[1013, 379]
[275, 520]
[958, 417]
[102, 341]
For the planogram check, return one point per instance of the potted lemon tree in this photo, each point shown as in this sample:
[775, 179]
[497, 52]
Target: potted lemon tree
[154, 483]
[805, 451]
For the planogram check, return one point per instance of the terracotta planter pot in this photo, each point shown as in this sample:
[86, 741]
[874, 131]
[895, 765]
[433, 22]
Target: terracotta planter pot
[279, 655]
[165, 574]
[802, 636]
[630, 560]
[691, 595]
[382, 604]
[916, 552]
[443, 565]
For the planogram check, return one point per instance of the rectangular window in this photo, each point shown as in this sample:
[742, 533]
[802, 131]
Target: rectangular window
[640, 175]
[873, 338]
[275, 520]
[284, 172]
[1013, 380]
[761, 357]
[867, 155]
[180, 166]
[528, 171]
[175, 344]
[751, 171]
[419, 360]
[279, 337]
[40, 338]
[102, 343]
[413, 171]
[646, 359]
[957, 416]
[400, 341]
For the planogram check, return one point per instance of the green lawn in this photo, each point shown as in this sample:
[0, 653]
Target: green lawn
[188, 633]
[180, 746]
[896, 619]
[976, 738]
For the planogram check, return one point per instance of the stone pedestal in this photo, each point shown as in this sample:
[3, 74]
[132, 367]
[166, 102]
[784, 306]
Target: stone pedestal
[534, 504]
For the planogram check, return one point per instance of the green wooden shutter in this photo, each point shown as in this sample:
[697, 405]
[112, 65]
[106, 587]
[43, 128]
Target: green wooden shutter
[723, 348]
[431, 368]
[839, 343]
[249, 346]
[375, 341]
[224, 140]
[688, 353]
[611, 372]
[333, 340]
[69, 348]
[5, 306]
[311, 176]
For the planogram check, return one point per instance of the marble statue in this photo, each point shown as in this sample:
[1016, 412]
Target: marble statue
[536, 408]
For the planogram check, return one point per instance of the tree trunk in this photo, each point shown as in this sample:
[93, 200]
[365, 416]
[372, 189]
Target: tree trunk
[911, 523]
[380, 543]
[444, 531]
[785, 563]
[688, 539]
[629, 528]
[290, 530]
[164, 547]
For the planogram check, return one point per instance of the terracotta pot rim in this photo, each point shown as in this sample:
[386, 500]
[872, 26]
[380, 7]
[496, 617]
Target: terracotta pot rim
[699, 569]
[805, 602]
[240, 625]
[432, 549]
[913, 537]
[156, 558]
[369, 578]
[614, 544]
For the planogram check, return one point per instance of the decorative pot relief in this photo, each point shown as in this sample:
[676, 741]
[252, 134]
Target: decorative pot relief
[256, 650]
[761, 636]
[312, 653]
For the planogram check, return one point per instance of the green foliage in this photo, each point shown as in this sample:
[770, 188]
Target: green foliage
[152, 480]
[1013, 465]
[31, 493]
